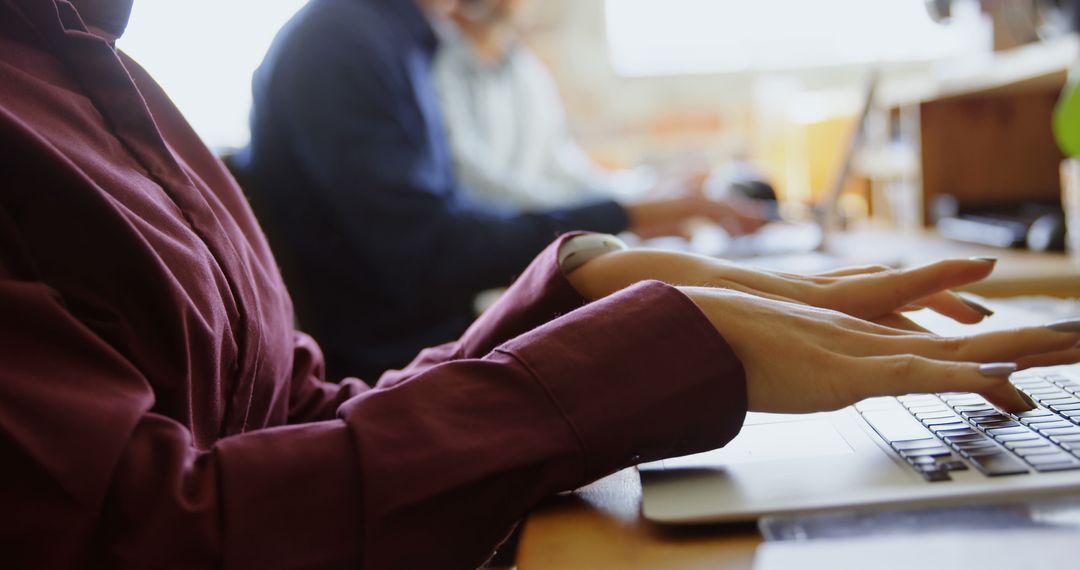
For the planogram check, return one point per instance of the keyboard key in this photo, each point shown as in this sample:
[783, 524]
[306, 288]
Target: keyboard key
[994, 422]
[1048, 459]
[1065, 400]
[1057, 424]
[983, 414]
[1063, 466]
[974, 409]
[955, 432]
[955, 439]
[938, 428]
[1061, 431]
[930, 452]
[1034, 382]
[1065, 439]
[918, 399]
[952, 465]
[895, 425]
[1049, 389]
[1065, 407]
[975, 445]
[938, 407]
[998, 464]
[965, 400]
[934, 415]
[1036, 413]
[1014, 445]
[1027, 452]
[915, 444]
[1027, 436]
[923, 460]
[1007, 431]
[980, 451]
[943, 421]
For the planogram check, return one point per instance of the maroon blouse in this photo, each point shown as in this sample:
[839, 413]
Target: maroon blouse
[158, 409]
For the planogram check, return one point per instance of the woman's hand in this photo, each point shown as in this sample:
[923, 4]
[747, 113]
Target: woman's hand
[805, 359]
[874, 293]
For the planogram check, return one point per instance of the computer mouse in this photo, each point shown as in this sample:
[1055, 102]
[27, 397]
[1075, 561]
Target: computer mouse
[1047, 233]
[759, 190]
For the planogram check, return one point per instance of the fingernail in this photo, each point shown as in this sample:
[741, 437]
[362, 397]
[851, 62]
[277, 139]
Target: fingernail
[997, 369]
[1027, 400]
[1067, 326]
[986, 259]
[983, 310]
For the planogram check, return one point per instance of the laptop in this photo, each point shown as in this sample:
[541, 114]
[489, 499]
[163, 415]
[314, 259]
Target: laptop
[912, 451]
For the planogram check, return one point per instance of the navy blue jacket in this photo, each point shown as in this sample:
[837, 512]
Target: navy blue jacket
[350, 171]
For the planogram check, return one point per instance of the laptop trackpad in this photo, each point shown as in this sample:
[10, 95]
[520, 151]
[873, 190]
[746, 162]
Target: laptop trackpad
[769, 442]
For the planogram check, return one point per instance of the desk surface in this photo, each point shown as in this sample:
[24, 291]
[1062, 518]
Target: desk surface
[1018, 272]
[599, 527]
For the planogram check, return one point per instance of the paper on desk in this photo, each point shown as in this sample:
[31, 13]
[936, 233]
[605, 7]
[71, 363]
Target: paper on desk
[1030, 550]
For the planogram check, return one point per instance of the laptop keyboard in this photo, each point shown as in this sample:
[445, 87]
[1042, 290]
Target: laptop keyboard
[938, 434]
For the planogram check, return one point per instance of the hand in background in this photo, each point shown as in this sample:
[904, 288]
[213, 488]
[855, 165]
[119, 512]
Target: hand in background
[671, 216]
[805, 359]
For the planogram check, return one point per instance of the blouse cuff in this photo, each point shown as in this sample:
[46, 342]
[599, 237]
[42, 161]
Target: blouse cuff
[640, 375]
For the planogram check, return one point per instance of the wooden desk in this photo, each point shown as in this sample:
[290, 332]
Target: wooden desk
[600, 527]
[1018, 272]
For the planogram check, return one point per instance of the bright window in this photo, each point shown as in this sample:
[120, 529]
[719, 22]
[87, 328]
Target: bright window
[203, 53]
[654, 37]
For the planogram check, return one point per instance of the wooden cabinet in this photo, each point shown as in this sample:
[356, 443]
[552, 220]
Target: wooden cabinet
[981, 134]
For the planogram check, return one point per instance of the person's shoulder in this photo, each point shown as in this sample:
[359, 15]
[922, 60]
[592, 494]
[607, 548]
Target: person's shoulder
[336, 25]
[332, 38]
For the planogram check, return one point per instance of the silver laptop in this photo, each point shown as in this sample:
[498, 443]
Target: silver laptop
[918, 450]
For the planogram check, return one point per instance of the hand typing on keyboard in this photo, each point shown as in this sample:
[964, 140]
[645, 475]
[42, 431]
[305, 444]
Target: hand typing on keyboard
[821, 342]
[804, 359]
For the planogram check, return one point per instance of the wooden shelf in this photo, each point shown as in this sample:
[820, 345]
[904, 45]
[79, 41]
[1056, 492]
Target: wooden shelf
[1031, 68]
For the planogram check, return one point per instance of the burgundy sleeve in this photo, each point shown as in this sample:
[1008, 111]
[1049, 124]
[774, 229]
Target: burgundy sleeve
[540, 294]
[430, 473]
[452, 457]
[311, 398]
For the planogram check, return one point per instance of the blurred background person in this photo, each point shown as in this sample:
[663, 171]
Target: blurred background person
[508, 132]
[349, 167]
